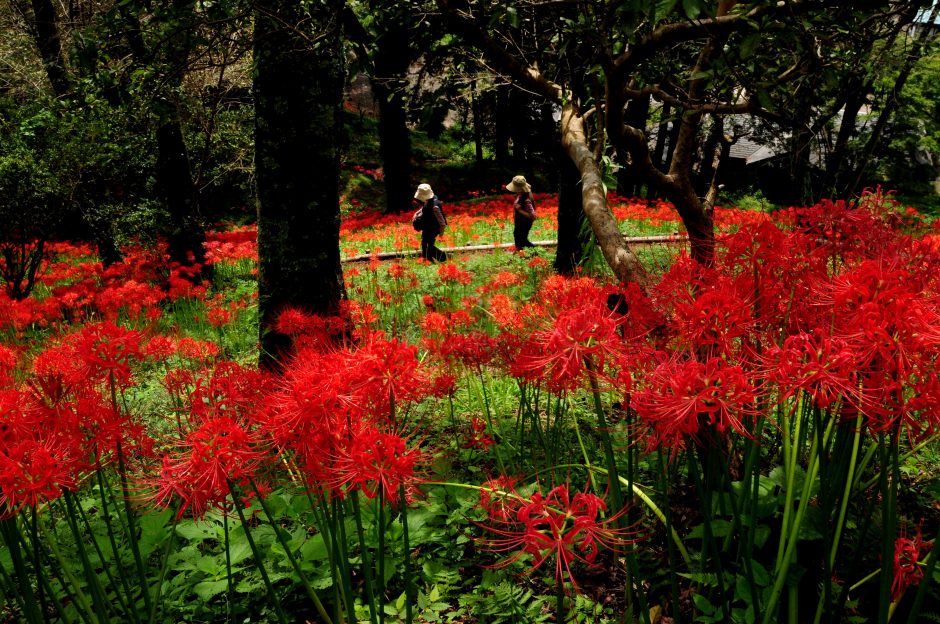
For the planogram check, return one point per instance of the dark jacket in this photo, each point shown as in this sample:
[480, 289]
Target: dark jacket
[433, 220]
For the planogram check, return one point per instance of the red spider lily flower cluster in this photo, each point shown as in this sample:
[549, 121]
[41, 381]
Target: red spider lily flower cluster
[907, 553]
[683, 398]
[556, 526]
[223, 444]
[334, 413]
[561, 352]
[63, 420]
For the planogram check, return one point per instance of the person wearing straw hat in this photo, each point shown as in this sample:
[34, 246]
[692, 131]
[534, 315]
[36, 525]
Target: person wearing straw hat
[431, 221]
[523, 211]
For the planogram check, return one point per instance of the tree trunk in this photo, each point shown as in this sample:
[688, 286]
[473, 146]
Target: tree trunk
[391, 64]
[624, 263]
[628, 182]
[477, 123]
[502, 123]
[46, 35]
[572, 223]
[175, 181]
[298, 92]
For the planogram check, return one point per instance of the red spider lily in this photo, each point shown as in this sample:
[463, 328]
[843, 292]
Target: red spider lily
[560, 293]
[221, 451]
[108, 351]
[310, 411]
[33, 470]
[684, 396]
[498, 497]
[449, 273]
[8, 360]
[556, 526]
[374, 462]
[907, 553]
[559, 354]
[159, 348]
[195, 349]
[820, 365]
[478, 437]
[230, 390]
[714, 321]
[382, 371]
[503, 280]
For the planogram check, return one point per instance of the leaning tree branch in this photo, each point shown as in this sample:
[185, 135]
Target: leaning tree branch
[625, 264]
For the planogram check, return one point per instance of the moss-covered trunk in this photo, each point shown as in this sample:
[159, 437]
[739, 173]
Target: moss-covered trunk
[298, 90]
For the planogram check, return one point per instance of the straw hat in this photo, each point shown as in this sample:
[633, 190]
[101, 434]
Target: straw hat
[519, 185]
[424, 192]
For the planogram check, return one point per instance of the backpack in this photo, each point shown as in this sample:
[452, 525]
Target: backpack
[417, 221]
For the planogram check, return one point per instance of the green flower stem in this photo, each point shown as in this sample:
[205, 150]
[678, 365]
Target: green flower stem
[616, 494]
[843, 508]
[486, 412]
[106, 514]
[931, 563]
[27, 598]
[889, 493]
[322, 521]
[132, 527]
[341, 547]
[128, 611]
[708, 543]
[163, 568]
[587, 459]
[671, 548]
[230, 590]
[98, 598]
[380, 529]
[366, 557]
[791, 533]
[789, 461]
[406, 559]
[257, 554]
[291, 558]
[85, 608]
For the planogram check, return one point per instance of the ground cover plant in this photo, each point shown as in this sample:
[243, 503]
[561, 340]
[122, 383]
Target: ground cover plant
[753, 441]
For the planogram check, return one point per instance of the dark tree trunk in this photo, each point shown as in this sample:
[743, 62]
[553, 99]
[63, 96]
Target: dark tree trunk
[801, 192]
[709, 153]
[391, 64]
[175, 181]
[573, 230]
[46, 35]
[519, 129]
[671, 145]
[477, 123]
[628, 183]
[502, 122]
[662, 130]
[298, 91]
[838, 165]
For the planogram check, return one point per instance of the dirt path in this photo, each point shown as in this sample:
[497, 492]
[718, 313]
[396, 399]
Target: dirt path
[408, 253]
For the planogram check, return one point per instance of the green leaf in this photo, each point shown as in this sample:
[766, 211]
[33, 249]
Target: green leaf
[315, 548]
[196, 531]
[703, 605]
[209, 589]
[761, 576]
[153, 531]
[691, 8]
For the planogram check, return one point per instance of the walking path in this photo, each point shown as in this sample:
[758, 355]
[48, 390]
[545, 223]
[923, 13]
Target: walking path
[407, 253]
